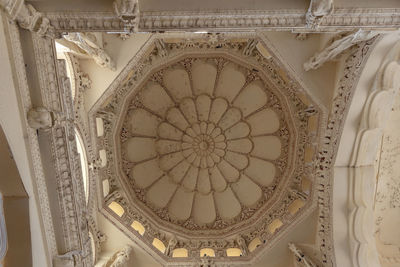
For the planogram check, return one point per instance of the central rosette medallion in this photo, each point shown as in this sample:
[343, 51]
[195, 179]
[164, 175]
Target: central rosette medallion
[197, 136]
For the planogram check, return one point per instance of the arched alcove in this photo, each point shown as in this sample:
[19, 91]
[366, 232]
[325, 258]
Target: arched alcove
[387, 194]
[16, 209]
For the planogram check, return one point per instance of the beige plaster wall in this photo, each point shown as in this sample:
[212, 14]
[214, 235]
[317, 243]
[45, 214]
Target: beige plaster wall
[279, 255]
[116, 240]
[121, 52]
[321, 82]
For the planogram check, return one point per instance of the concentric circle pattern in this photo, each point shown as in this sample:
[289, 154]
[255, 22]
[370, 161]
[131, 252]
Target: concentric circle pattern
[203, 141]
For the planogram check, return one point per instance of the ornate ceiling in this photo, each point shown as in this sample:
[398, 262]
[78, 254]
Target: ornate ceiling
[207, 143]
[203, 143]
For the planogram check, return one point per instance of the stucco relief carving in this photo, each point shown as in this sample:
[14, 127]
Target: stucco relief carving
[209, 141]
[120, 258]
[354, 64]
[338, 46]
[40, 118]
[387, 199]
[317, 10]
[301, 258]
[169, 83]
[128, 12]
[89, 43]
[364, 245]
[27, 17]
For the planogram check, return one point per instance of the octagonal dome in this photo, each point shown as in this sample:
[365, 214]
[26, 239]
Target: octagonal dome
[207, 147]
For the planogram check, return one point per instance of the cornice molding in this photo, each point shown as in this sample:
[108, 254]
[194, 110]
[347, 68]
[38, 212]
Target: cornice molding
[342, 19]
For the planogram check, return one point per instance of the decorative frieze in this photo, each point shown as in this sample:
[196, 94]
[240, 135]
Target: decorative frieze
[341, 19]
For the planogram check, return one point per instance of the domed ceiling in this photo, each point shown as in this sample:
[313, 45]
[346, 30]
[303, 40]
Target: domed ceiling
[202, 149]
[207, 144]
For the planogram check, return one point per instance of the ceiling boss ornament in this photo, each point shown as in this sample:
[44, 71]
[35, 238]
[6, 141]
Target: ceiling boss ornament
[206, 143]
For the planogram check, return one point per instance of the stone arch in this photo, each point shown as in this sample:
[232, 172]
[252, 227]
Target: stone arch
[363, 167]
[353, 174]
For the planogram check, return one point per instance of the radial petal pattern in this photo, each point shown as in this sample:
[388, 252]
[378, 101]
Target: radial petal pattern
[203, 141]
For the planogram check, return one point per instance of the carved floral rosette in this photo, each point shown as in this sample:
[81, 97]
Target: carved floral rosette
[198, 152]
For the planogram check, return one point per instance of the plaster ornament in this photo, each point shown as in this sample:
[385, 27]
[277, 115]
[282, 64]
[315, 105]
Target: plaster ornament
[69, 259]
[149, 116]
[27, 17]
[95, 164]
[317, 10]
[242, 245]
[108, 116]
[171, 246]
[206, 261]
[84, 81]
[128, 12]
[301, 36]
[206, 147]
[251, 45]
[85, 42]
[40, 118]
[161, 48]
[338, 47]
[113, 196]
[301, 257]
[120, 258]
[125, 36]
[3, 232]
